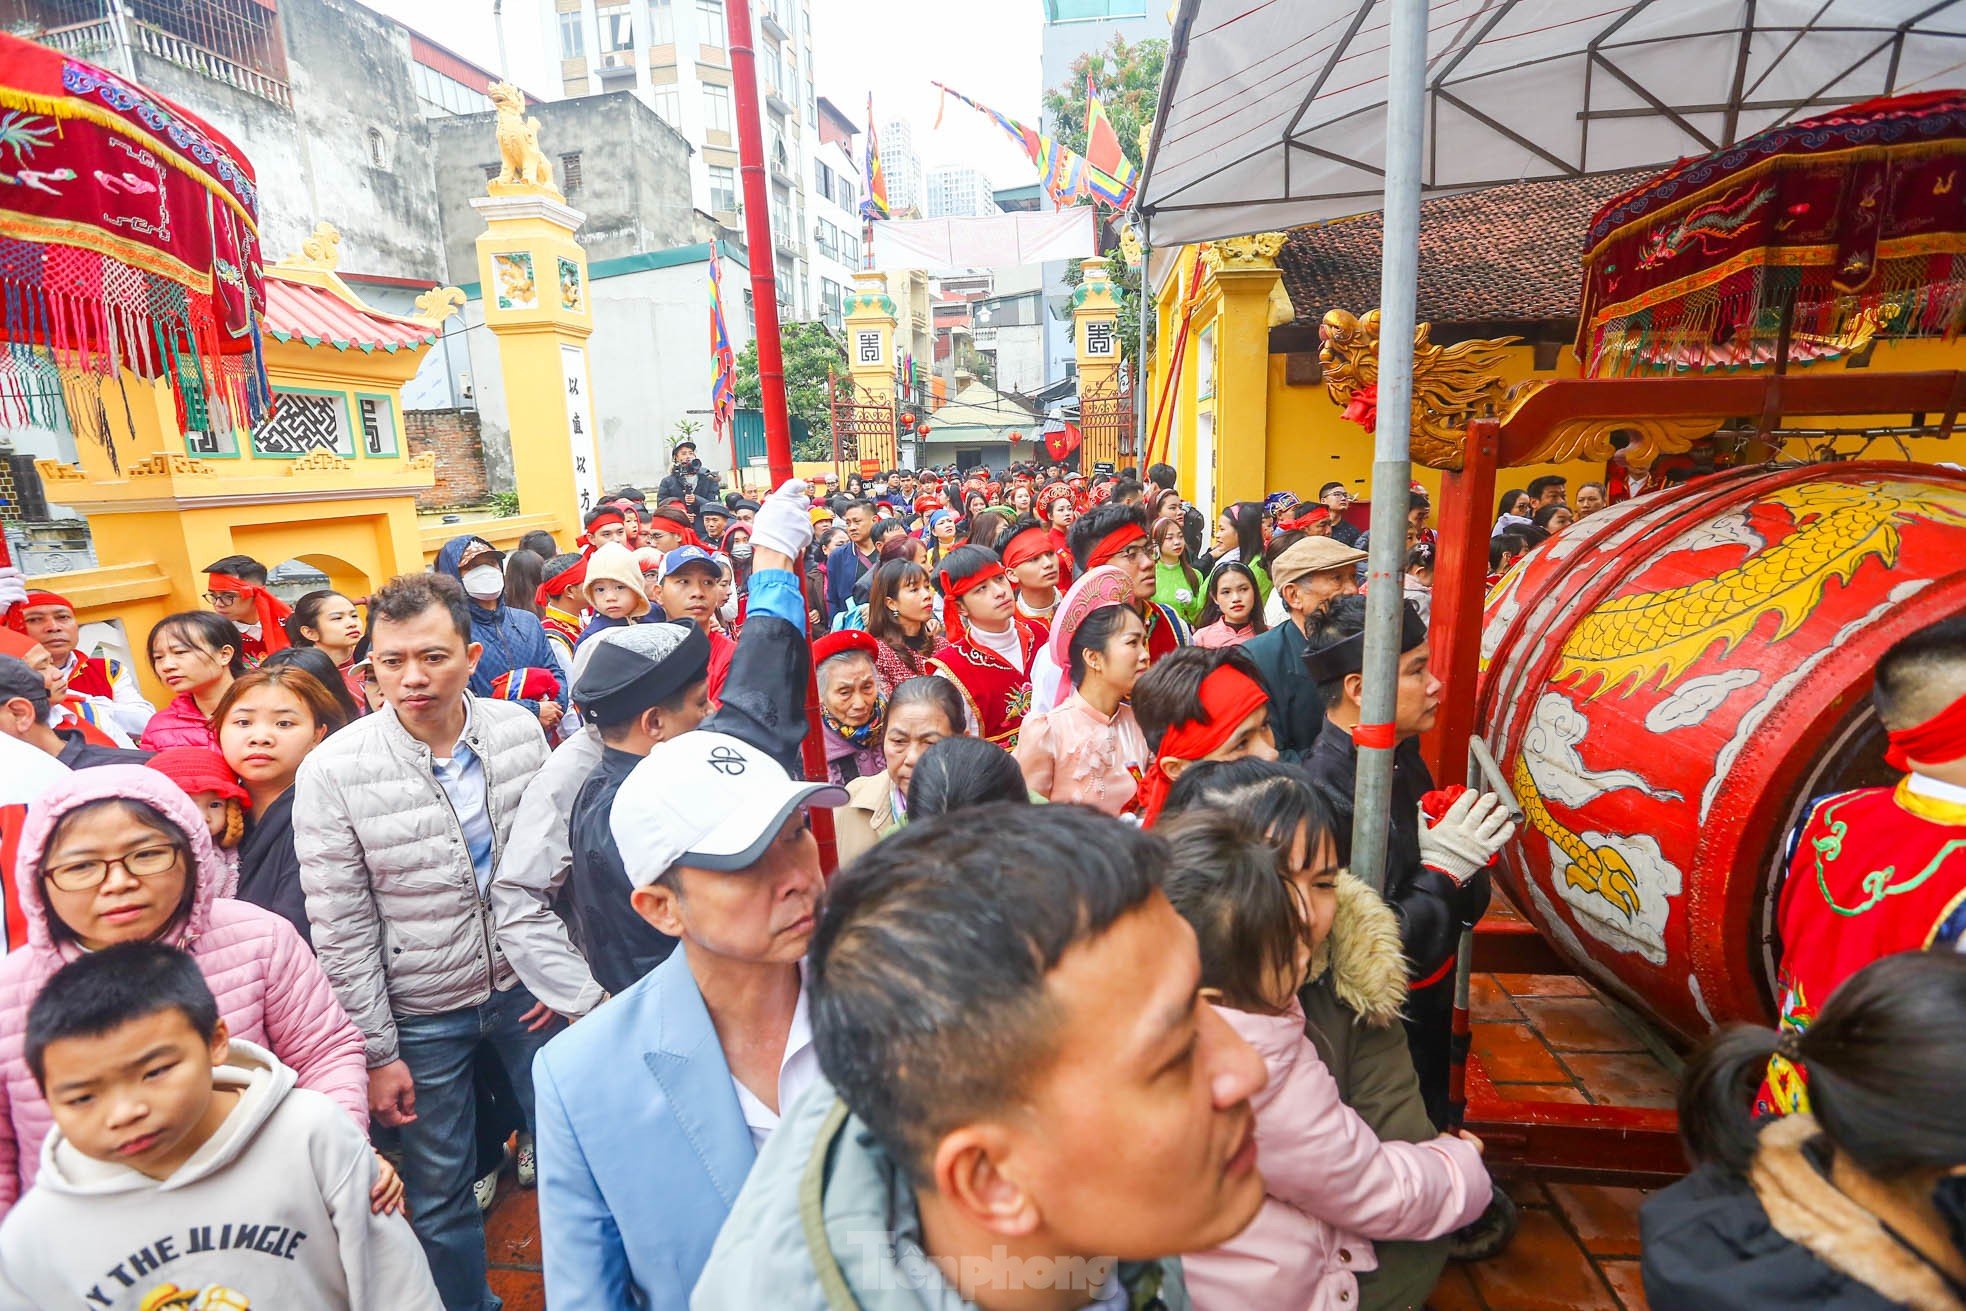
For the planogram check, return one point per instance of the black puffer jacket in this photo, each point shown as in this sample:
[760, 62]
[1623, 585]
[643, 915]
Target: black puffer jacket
[1782, 1239]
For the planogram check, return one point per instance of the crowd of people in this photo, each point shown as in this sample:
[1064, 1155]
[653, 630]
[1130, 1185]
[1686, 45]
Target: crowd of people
[510, 864]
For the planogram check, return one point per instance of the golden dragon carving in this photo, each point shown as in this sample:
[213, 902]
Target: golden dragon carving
[1451, 384]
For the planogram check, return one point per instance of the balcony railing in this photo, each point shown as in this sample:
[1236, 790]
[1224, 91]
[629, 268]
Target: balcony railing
[92, 41]
[174, 49]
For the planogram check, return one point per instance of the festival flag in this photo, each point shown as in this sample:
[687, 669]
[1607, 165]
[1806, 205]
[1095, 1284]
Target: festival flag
[875, 205]
[1109, 174]
[1062, 170]
[723, 389]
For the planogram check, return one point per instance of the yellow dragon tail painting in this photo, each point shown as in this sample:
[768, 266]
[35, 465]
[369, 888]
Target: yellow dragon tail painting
[1627, 641]
[1597, 870]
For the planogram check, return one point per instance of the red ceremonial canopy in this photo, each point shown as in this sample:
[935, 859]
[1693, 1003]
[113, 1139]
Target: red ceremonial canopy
[129, 239]
[1856, 217]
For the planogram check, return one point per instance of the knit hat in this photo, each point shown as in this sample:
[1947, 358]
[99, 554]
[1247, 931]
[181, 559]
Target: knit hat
[199, 769]
[617, 564]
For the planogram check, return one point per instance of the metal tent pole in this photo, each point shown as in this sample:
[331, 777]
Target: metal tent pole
[1392, 468]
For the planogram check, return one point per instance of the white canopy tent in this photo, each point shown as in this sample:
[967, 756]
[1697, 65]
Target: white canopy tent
[1273, 112]
[1276, 113]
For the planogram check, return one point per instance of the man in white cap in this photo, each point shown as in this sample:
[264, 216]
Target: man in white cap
[652, 1109]
[1308, 574]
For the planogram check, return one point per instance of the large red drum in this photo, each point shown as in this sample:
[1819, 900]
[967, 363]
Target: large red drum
[1669, 682]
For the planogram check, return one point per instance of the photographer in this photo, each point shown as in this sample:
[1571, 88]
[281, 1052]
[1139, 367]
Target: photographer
[688, 481]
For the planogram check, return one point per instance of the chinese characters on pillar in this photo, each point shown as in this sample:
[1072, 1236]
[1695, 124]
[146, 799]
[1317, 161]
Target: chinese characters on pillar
[580, 427]
[867, 347]
[1099, 337]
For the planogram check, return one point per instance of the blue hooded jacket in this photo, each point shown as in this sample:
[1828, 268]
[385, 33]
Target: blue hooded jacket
[512, 639]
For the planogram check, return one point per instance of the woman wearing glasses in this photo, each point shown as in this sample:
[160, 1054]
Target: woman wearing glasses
[195, 654]
[119, 854]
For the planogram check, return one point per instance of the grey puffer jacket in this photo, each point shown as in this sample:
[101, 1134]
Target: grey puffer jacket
[399, 924]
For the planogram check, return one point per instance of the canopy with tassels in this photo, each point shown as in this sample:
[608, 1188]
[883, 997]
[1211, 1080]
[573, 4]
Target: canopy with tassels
[129, 241]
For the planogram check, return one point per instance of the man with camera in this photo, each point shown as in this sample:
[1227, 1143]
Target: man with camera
[688, 481]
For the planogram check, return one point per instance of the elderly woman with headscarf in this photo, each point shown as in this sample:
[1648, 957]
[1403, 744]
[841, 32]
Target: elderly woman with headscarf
[852, 703]
[1089, 748]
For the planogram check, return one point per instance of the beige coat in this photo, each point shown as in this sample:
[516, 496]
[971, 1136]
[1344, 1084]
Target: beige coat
[867, 817]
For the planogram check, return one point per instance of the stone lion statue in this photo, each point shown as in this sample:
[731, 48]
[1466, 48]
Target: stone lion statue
[522, 163]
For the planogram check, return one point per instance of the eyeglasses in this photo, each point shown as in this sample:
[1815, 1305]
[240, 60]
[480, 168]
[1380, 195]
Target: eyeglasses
[1135, 553]
[221, 598]
[87, 875]
[1337, 495]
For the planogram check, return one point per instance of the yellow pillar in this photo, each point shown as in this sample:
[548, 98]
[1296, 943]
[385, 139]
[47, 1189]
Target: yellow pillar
[1105, 424]
[869, 444]
[1239, 305]
[534, 280]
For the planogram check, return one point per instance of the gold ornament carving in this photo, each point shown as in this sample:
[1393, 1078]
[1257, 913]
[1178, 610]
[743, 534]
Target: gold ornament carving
[321, 250]
[320, 462]
[438, 304]
[1131, 247]
[165, 463]
[524, 168]
[1256, 251]
[1646, 438]
[59, 471]
[1451, 384]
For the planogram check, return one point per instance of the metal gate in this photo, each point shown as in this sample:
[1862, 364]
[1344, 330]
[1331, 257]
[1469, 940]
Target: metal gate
[1106, 424]
[863, 426]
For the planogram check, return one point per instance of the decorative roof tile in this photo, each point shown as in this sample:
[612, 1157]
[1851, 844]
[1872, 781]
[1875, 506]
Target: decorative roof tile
[317, 316]
[1511, 254]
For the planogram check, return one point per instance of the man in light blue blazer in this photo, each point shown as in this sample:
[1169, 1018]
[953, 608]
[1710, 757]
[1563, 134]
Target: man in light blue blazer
[648, 1121]
[647, 1125]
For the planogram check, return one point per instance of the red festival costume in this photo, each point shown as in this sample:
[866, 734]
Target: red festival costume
[1873, 872]
[997, 695]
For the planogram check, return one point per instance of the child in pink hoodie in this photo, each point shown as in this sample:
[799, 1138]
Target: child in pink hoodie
[1332, 1185]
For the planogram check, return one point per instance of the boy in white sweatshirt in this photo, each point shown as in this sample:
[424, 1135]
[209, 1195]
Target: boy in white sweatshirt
[186, 1172]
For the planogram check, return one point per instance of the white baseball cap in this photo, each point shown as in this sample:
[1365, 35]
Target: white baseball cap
[708, 800]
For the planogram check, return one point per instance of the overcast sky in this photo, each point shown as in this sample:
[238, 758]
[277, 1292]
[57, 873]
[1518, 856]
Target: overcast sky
[894, 48]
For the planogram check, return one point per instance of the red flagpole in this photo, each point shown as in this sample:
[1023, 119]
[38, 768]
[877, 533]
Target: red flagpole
[757, 237]
[771, 361]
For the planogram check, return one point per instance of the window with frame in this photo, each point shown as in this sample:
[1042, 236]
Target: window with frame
[662, 22]
[667, 103]
[711, 16]
[832, 302]
[723, 188]
[614, 27]
[573, 44]
[716, 108]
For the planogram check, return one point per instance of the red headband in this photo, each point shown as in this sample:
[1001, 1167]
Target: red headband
[1228, 696]
[17, 614]
[1113, 543]
[1939, 740]
[1304, 520]
[272, 612]
[606, 519]
[1026, 546]
[953, 591]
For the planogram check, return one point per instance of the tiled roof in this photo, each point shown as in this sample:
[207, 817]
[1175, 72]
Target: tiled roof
[318, 317]
[1512, 253]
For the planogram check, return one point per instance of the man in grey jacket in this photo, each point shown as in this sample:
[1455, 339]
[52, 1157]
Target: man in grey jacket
[1031, 1101]
[399, 821]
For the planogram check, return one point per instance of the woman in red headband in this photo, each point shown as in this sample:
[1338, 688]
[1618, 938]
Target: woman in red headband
[1883, 869]
[1199, 704]
[987, 650]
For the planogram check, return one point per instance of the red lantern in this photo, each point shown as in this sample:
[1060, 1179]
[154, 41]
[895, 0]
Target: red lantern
[1016, 437]
[922, 431]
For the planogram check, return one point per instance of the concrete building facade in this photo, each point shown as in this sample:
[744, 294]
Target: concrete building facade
[833, 207]
[958, 191]
[903, 169]
[673, 56]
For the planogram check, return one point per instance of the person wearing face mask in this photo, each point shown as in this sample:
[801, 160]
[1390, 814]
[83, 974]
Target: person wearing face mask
[514, 641]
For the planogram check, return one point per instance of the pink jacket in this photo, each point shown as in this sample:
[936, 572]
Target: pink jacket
[269, 989]
[1074, 753]
[1332, 1187]
[179, 724]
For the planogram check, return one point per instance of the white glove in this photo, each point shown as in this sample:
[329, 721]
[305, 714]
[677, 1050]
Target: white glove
[784, 523]
[13, 587]
[1466, 838]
